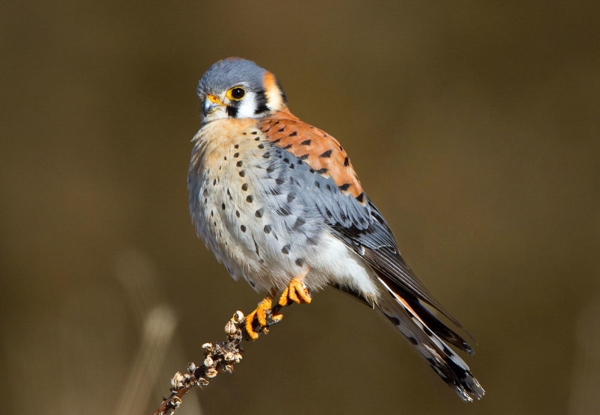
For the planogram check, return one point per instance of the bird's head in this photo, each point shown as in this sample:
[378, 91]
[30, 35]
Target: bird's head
[238, 88]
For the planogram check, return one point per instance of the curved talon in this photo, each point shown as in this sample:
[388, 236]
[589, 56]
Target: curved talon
[262, 314]
[295, 292]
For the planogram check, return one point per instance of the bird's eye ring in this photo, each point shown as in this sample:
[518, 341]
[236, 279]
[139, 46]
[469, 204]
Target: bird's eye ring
[236, 93]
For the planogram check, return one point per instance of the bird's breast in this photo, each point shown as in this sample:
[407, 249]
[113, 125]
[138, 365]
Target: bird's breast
[245, 206]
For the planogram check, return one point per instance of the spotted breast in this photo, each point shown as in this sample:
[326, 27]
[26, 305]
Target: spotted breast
[245, 209]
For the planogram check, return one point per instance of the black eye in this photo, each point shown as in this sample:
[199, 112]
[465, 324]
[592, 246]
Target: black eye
[237, 93]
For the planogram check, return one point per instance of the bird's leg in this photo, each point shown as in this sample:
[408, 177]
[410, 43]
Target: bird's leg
[296, 292]
[261, 313]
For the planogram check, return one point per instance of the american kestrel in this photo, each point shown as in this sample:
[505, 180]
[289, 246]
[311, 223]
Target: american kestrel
[279, 204]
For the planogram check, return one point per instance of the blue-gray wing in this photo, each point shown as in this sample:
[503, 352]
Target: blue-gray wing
[359, 225]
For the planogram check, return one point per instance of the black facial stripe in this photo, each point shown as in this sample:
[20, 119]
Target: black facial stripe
[261, 102]
[232, 111]
[283, 97]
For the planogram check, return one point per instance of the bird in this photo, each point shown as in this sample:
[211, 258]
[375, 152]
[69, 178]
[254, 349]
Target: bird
[280, 205]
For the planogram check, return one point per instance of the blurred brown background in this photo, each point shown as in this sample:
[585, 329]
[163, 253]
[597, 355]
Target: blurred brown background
[473, 125]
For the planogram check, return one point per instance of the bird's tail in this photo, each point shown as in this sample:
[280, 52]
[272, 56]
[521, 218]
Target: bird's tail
[425, 332]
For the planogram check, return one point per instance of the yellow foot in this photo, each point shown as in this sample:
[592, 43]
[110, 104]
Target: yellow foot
[296, 292]
[260, 314]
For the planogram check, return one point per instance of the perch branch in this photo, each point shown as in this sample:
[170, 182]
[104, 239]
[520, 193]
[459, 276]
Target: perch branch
[218, 357]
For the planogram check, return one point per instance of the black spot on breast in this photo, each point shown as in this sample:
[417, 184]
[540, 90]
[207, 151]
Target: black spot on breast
[326, 154]
[279, 181]
[249, 199]
[283, 211]
[261, 146]
[259, 213]
[286, 249]
[223, 206]
[245, 187]
[243, 228]
[214, 182]
[290, 198]
[254, 133]
[361, 197]
[267, 229]
[236, 146]
[299, 222]
[242, 173]
[300, 262]
[346, 162]
[317, 184]
[239, 163]
[236, 155]
[237, 213]
[306, 142]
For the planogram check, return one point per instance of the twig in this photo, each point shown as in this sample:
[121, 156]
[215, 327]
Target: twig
[218, 357]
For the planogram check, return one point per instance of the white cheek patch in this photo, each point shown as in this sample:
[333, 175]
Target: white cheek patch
[248, 105]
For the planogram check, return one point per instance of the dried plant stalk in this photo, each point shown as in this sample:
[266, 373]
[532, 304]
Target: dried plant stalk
[218, 357]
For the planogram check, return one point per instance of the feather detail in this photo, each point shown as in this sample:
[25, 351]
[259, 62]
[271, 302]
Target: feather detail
[447, 364]
[319, 150]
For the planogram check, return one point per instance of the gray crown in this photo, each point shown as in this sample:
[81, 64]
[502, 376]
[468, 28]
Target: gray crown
[230, 72]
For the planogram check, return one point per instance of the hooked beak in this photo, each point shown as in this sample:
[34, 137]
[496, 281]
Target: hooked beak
[211, 103]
